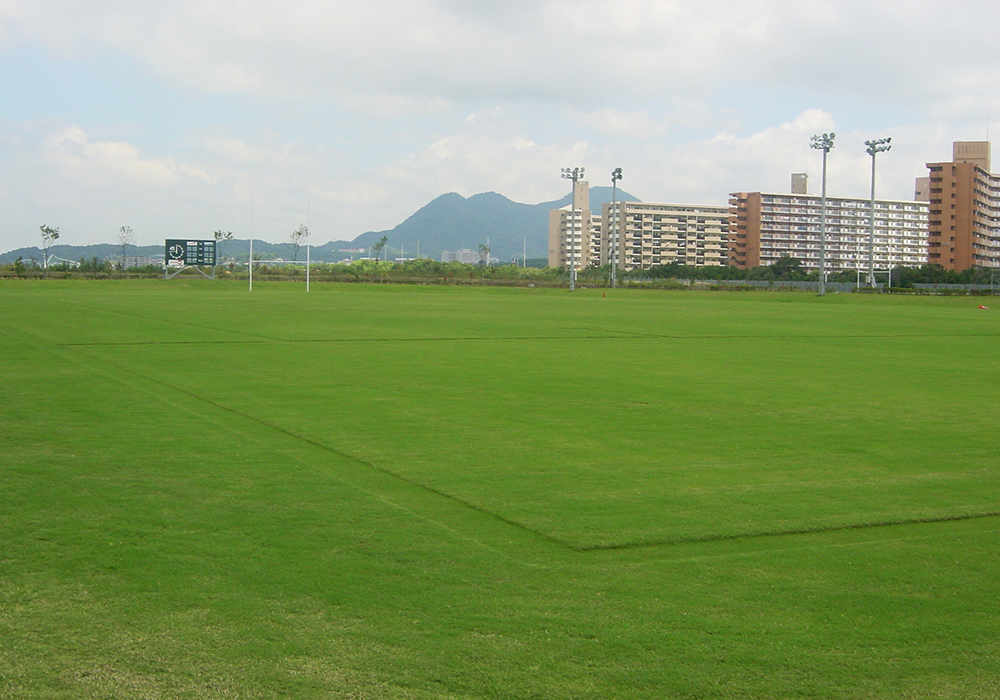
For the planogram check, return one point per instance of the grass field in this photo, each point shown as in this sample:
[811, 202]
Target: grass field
[426, 492]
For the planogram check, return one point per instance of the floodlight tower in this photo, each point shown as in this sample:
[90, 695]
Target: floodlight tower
[616, 175]
[573, 174]
[824, 143]
[874, 146]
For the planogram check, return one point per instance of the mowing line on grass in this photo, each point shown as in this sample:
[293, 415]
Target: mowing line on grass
[614, 335]
[662, 542]
[357, 460]
[61, 349]
[562, 543]
[97, 368]
[348, 457]
[159, 319]
[161, 342]
[650, 544]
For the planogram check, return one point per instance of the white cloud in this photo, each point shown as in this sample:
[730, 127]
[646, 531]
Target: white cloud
[611, 122]
[386, 106]
[285, 157]
[550, 48]
[75, 157]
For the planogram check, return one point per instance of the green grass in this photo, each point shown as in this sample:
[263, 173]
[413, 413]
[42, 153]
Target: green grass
[424, 492]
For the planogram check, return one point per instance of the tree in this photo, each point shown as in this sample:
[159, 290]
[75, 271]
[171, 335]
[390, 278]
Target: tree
[299, 237]
[126, 236]
[484, 255]
[49, 236]
[377, 248]
[220, 238]
[787, 268]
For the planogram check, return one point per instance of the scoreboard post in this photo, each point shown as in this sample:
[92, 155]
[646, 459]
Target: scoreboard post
[181, 254]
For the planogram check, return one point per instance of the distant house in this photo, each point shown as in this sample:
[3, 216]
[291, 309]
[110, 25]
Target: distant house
[470, 257]
[141, 261]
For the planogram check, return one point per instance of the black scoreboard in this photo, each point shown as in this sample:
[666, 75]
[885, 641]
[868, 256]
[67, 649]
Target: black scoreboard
[180, 253]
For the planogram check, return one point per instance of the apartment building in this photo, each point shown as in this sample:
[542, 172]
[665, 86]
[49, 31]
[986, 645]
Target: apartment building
[570, 240]
[652, 234]
[765, 227]
[964, 204]
[595, 244]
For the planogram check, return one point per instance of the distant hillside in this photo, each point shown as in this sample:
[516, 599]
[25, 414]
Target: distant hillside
[238, 249]
[452, 222]
[449, 222]
[75, 253]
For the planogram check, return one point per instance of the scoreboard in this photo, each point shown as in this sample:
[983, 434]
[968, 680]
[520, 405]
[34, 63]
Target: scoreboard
[180, 253]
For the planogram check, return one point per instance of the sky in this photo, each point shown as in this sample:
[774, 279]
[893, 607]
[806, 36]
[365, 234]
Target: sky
[178, 119]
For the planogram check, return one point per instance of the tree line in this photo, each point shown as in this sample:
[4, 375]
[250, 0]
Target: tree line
[426, 270]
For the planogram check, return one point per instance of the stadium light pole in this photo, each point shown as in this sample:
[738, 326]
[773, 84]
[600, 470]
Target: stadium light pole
[824, 143]
[874, 146]
[616, 175]
[573, 174]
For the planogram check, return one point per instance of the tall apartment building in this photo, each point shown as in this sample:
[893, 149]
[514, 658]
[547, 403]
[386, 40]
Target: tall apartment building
[964, 204]
[595, 244]
[569, 230]
[764, 227]
[659, 234]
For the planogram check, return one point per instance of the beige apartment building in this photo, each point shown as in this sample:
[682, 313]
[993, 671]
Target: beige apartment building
[964, 204]
[649, 234]
[764, 227]
[570, 241]
[652, 234]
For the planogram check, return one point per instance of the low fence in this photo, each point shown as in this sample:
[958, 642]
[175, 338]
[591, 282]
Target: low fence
[772, 285]
[979, 289]
[831, 287]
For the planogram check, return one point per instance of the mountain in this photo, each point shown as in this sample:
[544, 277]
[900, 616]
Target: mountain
[450, 222]
[61, 253]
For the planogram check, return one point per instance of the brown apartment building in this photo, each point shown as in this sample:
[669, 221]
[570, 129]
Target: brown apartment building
[964, 205]
[765, 227]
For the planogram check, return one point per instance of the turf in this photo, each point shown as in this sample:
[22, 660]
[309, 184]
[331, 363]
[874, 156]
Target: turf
[382, 491]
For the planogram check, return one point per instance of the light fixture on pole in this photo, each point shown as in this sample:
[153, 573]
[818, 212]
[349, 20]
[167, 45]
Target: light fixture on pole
[874, 146]
[616, 175]
[824, 143]
[573, 174]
